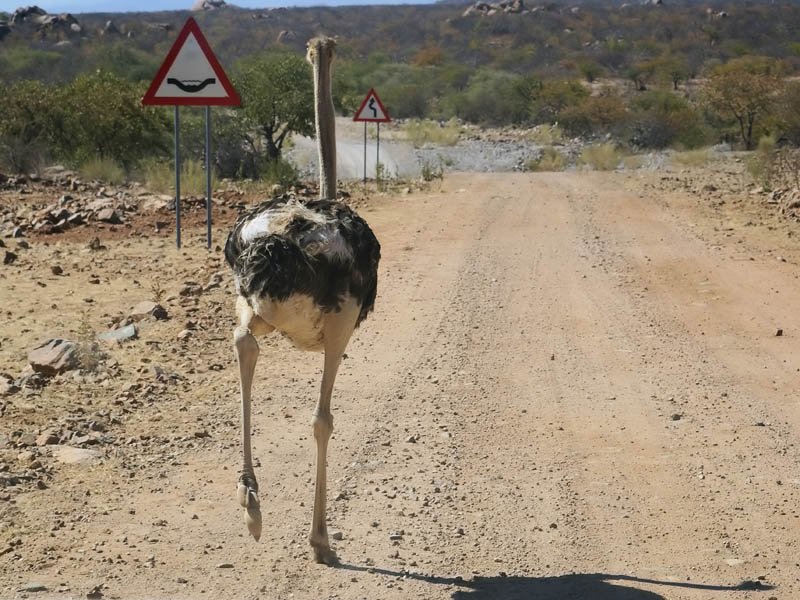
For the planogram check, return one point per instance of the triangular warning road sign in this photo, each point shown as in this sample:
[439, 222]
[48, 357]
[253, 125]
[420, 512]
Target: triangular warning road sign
[372, 109]
[191, 74]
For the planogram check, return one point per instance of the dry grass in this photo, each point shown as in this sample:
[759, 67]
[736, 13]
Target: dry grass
[601, 157]
[545, 135]
[420, 133]
[159, 177]
[693, 158]
[102, 169]
[550, 160]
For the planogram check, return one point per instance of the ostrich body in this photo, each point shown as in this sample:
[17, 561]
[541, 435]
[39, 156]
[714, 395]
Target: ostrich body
[308, 270]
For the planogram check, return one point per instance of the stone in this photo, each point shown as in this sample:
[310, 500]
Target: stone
[56, 270]
[54, 356]
[32, 587]
[109, 215]
[69, 455]
[148, 308]
[9, 257]
[117, 336]
[47, 438]
[7, 386]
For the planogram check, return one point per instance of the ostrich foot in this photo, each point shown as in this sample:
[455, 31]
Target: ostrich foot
[324, 555]
[247, 494]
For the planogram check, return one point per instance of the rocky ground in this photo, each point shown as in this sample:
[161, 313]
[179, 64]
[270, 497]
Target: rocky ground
[575, 385]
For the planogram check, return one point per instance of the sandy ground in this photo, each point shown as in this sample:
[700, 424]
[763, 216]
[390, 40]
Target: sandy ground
[571, 387]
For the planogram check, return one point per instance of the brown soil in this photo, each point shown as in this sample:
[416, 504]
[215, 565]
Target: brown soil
[571, 387]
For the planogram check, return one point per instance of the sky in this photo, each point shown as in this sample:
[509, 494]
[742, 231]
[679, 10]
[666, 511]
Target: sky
[94, 6]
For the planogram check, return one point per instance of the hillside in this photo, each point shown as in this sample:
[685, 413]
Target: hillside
[546, 39]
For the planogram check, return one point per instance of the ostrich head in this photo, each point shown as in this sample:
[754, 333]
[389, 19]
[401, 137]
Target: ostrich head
[320, 55]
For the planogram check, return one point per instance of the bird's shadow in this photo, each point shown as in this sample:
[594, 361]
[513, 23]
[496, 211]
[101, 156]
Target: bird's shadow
[593, 586]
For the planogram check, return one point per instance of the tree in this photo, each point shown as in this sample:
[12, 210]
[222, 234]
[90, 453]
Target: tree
[745, 89]
[277, 98]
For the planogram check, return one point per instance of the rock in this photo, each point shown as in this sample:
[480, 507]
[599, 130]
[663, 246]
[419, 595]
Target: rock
[69, 455]
[32, 587]
[184, 335]
[779, 333]
[54, 356]
[208, 5]
[47, 438]
[7, 386]
[109, 215]
[225, 566]
[9, 258]
[148, 308]
[95, 244]
[117, 336]
[337, 535]
[56, 270]
[26, 457]
[100, 204]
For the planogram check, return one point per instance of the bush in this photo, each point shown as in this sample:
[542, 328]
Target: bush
[593, 115]
[491, 97]
[122, 130]
[31, 121]
[661, 119]
[550, 160]
[601, 157]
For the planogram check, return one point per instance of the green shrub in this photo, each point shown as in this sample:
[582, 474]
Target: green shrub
[280, 172]
[660, 119]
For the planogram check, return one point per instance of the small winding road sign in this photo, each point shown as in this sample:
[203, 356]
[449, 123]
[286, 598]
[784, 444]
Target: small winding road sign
[372, 110]
[191, 74]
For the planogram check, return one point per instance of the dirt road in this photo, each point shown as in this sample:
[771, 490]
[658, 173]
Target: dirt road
[571, 387]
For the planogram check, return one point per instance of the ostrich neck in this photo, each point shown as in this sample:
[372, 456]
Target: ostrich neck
[326, 128]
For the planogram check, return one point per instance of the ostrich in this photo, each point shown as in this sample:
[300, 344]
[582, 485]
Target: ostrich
[310, 271]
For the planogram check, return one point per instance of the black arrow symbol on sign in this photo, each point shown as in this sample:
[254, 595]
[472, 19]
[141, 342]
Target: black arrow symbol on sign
[371, 106]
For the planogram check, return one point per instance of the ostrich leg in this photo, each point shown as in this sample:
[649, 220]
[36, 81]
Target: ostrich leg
[338, 329]
[247, 355]
[246, 349]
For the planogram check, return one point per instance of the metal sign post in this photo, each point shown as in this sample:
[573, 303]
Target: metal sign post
[208, 176]
[372, 110]
[365, 152]
[191, 76]
[177, 176]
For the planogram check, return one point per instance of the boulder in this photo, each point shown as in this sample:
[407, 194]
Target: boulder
[208, 5]
[54, 356]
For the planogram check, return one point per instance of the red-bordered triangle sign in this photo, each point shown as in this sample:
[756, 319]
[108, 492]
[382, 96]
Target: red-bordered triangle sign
[191, 74]
[372, 109]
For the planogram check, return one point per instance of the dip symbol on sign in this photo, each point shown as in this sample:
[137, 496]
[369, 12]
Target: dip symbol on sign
[191, 86]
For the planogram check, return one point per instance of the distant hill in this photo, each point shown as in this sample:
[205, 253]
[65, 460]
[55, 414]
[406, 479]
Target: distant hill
[553, 38]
